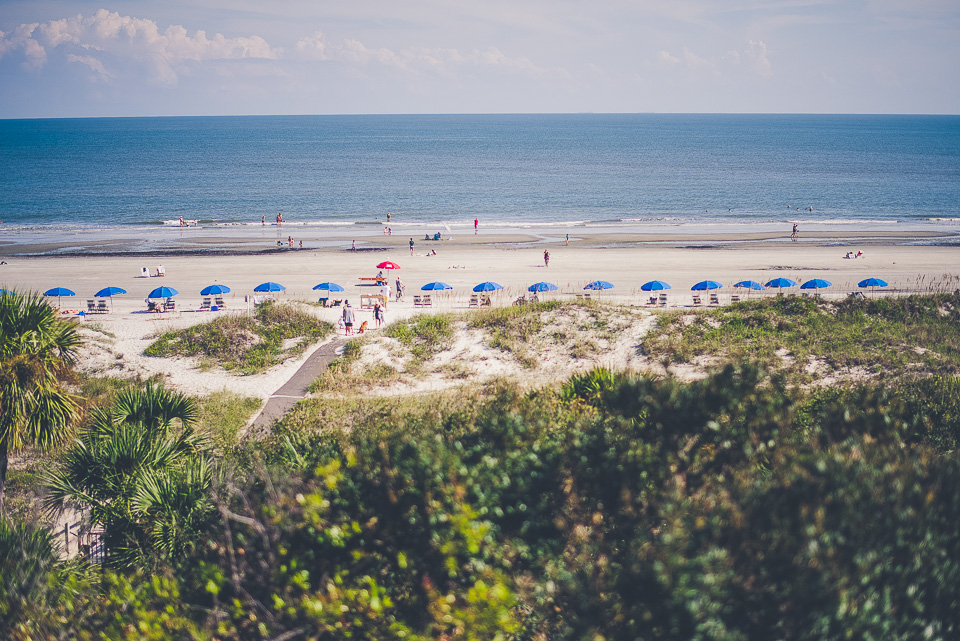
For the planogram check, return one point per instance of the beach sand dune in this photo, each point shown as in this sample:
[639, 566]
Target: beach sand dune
[117, 339]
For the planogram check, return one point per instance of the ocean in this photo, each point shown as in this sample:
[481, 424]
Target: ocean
[507, 170]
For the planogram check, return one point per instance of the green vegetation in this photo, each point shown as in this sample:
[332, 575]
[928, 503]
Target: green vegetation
[615, 506]
[142, 474]
[222, 415]
[424, 335]
[37, 350]
[511, 328]
[908, 334]
[249, 345]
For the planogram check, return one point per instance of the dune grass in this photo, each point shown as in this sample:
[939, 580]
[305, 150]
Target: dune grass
[882, 335]
[244, 344]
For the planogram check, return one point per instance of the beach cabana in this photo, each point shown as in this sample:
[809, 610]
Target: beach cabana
[59, 292]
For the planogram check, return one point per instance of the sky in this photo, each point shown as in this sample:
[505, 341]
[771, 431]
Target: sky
[74, 58]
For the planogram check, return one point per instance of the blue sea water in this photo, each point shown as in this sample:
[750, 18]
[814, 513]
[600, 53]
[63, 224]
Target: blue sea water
[507, 170]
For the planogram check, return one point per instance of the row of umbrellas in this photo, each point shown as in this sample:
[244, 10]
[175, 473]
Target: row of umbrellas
[489, 286]
[776, 283]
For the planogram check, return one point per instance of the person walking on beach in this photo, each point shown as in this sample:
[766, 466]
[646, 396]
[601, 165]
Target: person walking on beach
[476, 225]
[796, 233]
[568, 240]
[399, 289]
[263, 219]
[347, 318]
[411, 246]
[546, 258]
[377, 314]
[353, 245]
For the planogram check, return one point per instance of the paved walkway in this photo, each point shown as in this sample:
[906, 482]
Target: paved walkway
[295, 389]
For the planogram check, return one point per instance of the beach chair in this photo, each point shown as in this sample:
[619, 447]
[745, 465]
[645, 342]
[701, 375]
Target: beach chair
[714, 299]
[153, 306]
[652, 301]
[696, 301]
[735, 298]
[218, 301]
[418, 301]
[170, 305]
[474, 301]
[427, 301]
[102, 307]
[91, 307]
[663, 299]
[586, 296]
[205, 304]
[336, 303]
[486, 301]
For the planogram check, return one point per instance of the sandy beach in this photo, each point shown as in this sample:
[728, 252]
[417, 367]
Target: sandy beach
[514, 259]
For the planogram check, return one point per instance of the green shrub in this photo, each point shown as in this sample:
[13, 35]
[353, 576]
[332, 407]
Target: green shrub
[246, 344]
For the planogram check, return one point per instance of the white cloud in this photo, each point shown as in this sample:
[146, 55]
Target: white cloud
[415, 59]
[757, 54]
[664, 57]
[93, 63]
[312, 47]
[110, 34]
[754, 58]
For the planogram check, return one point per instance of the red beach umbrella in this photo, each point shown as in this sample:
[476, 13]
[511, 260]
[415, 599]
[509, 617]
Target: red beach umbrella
[388, 265]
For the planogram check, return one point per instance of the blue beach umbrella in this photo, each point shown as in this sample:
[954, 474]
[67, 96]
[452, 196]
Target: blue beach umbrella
[429, 287]
[110, 292]
[269, 287]
[599, 284]
[542, 287]
[59, 292]
[872, 282]
[750, 284]
[214, 290]
[163, 292]
[816, 283]
[706, 284]
[488, 287]
[330, 287]
[655, 285]
[782, 282]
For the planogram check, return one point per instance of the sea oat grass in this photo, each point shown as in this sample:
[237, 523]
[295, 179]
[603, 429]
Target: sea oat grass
[247, 345]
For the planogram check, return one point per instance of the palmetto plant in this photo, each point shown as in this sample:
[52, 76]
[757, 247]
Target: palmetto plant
[142, 473]
[36, 349]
